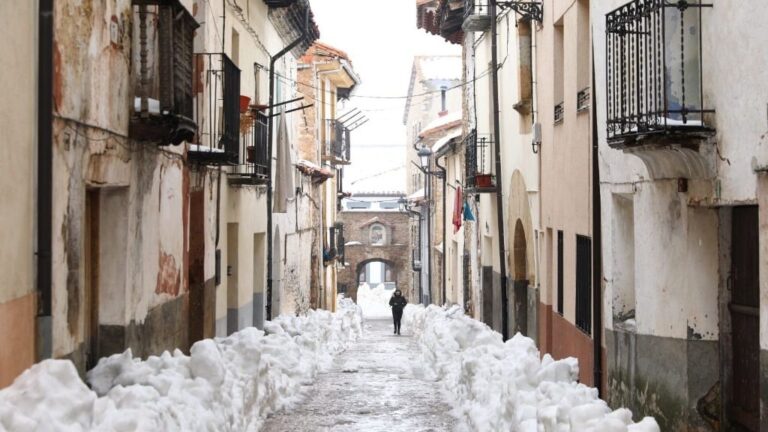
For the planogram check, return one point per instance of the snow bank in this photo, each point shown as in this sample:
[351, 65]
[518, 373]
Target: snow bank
[497, 385]
[229, 383]
[374, 301]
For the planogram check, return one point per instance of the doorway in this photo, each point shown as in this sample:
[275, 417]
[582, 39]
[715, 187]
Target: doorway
[91, 272]
[744, 403]
[233, 272]
[196, 276]
[520, 271]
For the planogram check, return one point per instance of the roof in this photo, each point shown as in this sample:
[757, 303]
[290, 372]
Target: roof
[445, 140]
[450, 120]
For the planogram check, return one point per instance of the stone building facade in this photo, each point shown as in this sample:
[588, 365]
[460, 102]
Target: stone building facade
[375, 233]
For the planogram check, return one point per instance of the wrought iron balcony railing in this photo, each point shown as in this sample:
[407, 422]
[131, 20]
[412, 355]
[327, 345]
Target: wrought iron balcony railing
[253, 166]
[337, 142]
[654, 69]
[162, 68]
[476, 16]
[217, 110]
[479, 162]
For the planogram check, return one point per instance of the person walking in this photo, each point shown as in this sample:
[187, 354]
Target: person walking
[397, 302]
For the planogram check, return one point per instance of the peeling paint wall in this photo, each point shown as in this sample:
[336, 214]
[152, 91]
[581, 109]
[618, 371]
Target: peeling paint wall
[138, 255]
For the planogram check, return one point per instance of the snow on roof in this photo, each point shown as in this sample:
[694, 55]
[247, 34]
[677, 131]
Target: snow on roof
[443, 121]
[445, 140]
[441, 68]
[416, 195]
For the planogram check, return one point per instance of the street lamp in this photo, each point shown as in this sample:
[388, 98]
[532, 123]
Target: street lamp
[424, 153]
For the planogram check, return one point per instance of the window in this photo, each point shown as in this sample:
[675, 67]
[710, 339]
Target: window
[235, 47]
[558, 70]
[358, 205]
[560, 265]
[584, 283]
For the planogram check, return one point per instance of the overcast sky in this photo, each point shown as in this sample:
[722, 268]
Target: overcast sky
[381, 39]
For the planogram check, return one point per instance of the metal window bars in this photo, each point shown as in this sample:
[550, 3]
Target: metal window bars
[654, 68]
[559, 112]
[217, 109]
[479, 162]
[583, 100]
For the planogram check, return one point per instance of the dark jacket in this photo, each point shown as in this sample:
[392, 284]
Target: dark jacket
[398, 303]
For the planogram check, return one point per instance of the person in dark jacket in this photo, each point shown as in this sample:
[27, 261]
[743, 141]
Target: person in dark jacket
[397, 302]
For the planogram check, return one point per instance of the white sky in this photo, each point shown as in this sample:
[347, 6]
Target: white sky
[381, 39]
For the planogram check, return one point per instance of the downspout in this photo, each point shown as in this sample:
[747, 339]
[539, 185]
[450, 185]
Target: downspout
[44, 324]
[428, 216]
[445, 248]
[597, 254]
[497, 152]
[418, 215]
[270, 140]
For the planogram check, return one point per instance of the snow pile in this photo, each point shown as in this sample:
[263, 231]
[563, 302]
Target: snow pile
[497, 385]
[374, 301]
[229, 383]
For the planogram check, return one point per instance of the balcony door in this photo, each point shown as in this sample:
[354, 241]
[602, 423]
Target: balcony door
[744, 403]
[91, 254]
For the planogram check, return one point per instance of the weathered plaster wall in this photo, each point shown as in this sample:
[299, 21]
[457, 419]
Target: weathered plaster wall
[141, 190]
[18, 111]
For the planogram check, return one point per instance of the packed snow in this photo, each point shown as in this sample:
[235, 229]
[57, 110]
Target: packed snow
[229, 383]
[507, 386]
[374, 302]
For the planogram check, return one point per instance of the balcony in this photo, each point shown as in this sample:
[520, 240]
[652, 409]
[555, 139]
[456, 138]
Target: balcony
[476, 16]
[253, 164]
[654, 74]
[217, 110]
[279, 3]
[480, 177]
[337, 143]
[162, 66]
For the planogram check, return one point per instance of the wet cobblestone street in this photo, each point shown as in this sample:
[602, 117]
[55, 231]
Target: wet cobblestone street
[371, 387]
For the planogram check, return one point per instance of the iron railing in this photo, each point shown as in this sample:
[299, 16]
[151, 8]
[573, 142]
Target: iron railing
[654, 68]
[253, 166]
[479, 162]
[476, 16]
[337, 146]
[217, 109]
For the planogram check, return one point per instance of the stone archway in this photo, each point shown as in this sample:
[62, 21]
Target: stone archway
[523, 302]
[390, 274]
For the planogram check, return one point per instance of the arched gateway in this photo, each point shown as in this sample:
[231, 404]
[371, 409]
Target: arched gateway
[377, 245]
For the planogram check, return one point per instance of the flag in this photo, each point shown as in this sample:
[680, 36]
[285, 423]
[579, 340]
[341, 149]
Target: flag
[457, 210]
[468, 216]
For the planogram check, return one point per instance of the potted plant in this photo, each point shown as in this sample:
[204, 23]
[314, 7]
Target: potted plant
[244, 102]
[483, 180]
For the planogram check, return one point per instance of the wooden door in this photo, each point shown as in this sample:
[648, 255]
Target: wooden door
[745, 319]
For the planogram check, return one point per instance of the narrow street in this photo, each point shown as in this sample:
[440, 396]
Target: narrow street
[371, 387]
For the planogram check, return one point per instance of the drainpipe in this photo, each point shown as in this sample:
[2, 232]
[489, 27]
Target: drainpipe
[597, 253]
[445, 247]
[44, 324]
[428, 217]
[270, 140]
[497, 152]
